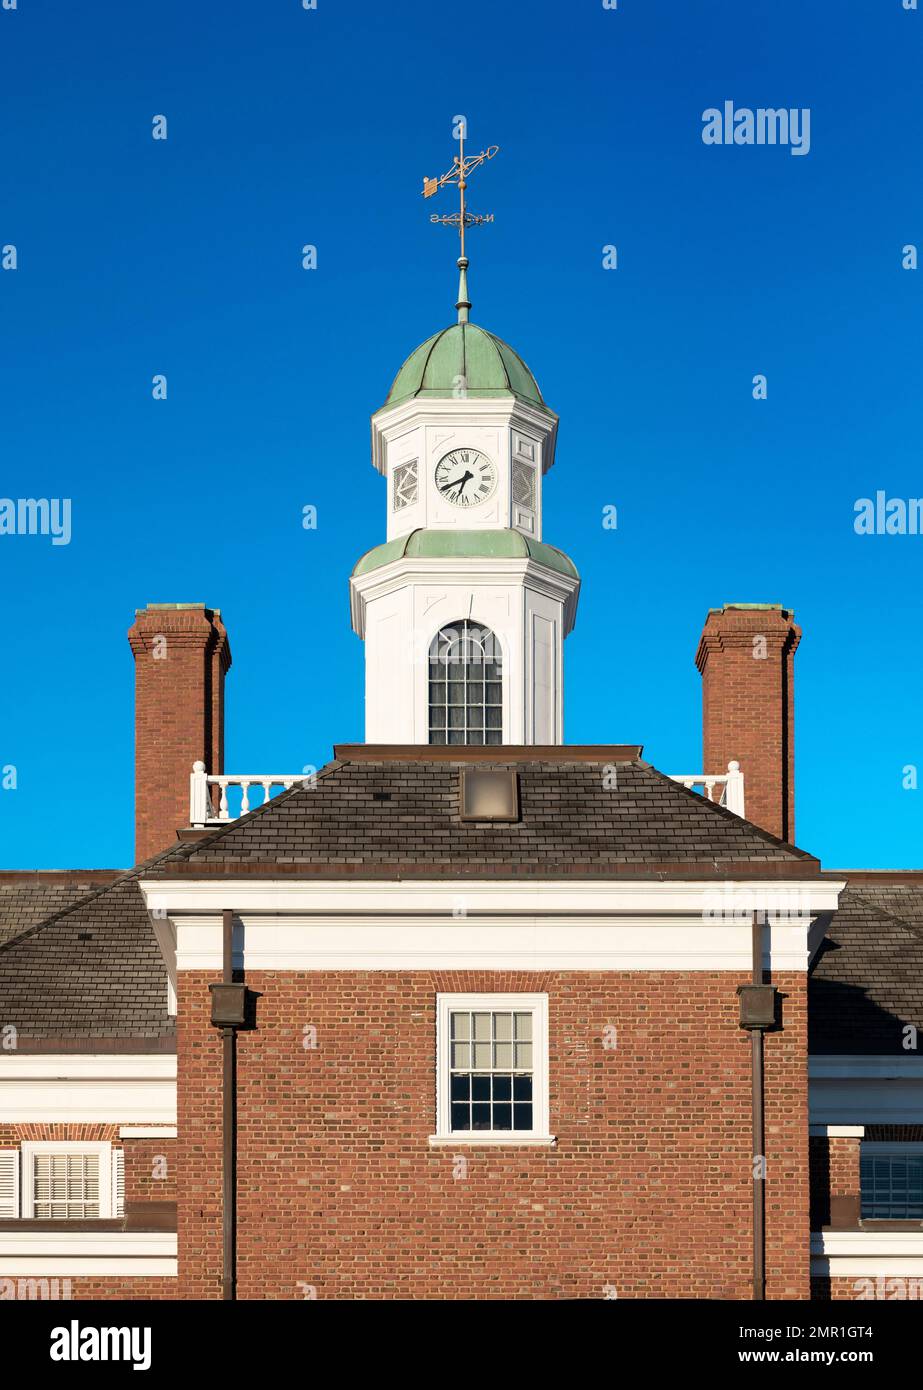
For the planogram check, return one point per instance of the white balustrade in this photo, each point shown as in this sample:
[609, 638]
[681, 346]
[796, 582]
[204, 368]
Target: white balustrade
[730, 782]
[201, 802]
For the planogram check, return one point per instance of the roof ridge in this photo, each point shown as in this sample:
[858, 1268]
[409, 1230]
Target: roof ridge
[767, 835]
[916, 931]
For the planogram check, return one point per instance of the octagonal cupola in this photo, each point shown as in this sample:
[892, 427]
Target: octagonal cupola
[464, 608]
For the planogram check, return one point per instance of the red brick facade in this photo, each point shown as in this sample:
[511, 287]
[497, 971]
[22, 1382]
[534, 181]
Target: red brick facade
[746, 657]
[647, 1193]
[181, 656]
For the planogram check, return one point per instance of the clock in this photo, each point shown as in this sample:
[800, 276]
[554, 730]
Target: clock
[465, 477]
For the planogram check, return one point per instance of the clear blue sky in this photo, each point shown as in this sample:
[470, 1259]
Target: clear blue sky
[288, 127]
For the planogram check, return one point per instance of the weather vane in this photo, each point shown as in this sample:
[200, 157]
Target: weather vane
[458, 176]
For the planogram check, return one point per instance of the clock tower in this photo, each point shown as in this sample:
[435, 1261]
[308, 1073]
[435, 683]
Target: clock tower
[464, 608]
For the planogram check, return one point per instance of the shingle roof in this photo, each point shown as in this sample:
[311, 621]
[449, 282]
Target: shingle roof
[89, 977]
[866, 980]
[27, 898]
[371, 816]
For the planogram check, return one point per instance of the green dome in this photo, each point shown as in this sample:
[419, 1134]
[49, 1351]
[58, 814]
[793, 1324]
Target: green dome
[489, 366]
[504, 544]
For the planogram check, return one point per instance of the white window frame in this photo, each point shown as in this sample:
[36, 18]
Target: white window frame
[537, 1005]
[107, 1172]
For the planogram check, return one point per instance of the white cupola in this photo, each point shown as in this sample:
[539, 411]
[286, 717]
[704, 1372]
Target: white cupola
[464, 609]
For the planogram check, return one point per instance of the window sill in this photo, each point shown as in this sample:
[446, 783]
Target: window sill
[493, 1141]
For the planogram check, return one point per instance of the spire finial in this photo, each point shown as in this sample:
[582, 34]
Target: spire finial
[458, 174]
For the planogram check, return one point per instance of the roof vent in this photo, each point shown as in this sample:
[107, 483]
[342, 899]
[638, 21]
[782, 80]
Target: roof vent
[489, 794]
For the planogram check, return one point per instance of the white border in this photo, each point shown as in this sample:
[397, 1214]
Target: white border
[141, 1254]
[88, 1088]
[860, 1254]
[537, 1005]
[29, 1148]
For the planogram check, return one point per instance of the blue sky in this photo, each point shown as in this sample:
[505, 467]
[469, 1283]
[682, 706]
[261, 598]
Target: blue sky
[286, 127]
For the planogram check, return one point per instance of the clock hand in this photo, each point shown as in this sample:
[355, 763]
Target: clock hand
[465, 477]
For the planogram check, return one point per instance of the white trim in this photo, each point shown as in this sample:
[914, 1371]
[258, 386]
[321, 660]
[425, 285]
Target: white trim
[488, 941]
[837, 1131]
[493, 1141]
[537, 1005]
[538, 896]
[859, 1254]
[31, 1148]
[85, 1088]
[465, 572]
[147, 1131]
[46, 1253]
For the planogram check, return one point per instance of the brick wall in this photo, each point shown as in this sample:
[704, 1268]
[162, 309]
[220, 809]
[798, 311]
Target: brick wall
[746, 657]
[648, 1191]
[835, 1186]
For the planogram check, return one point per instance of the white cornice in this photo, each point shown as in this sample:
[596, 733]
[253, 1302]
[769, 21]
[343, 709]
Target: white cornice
[508, 411]
[508, 926]
[87, 1089]
[465, 571]
[534, 896]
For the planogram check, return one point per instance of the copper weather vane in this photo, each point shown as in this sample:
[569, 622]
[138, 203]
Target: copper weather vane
[457, 176]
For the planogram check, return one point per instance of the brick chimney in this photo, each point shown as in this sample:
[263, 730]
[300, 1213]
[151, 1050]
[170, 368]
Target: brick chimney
[746, 657]
[181, 653]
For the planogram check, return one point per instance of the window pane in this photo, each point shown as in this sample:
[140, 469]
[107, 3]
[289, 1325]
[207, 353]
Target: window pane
[892, 1184]
[66, 1185]
[522, 1088]
[469, 660]
[480, 1088]
[484, 1092]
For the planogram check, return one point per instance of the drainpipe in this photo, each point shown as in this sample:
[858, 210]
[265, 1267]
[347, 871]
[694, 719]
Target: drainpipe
[757, 1013]
[228, 1014]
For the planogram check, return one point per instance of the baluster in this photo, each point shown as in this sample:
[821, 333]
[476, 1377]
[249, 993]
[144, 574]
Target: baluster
[267, 787]
[223, 807]
[245, 795]
[709, 788]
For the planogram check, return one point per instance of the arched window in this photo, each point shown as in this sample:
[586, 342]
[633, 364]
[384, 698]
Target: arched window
[465, 685]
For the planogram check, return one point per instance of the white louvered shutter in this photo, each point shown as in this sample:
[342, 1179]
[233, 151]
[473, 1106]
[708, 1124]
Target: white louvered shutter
[9, 1183]
[118, 1182]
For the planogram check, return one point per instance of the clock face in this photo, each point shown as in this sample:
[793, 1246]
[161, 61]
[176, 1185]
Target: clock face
[466, 477]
